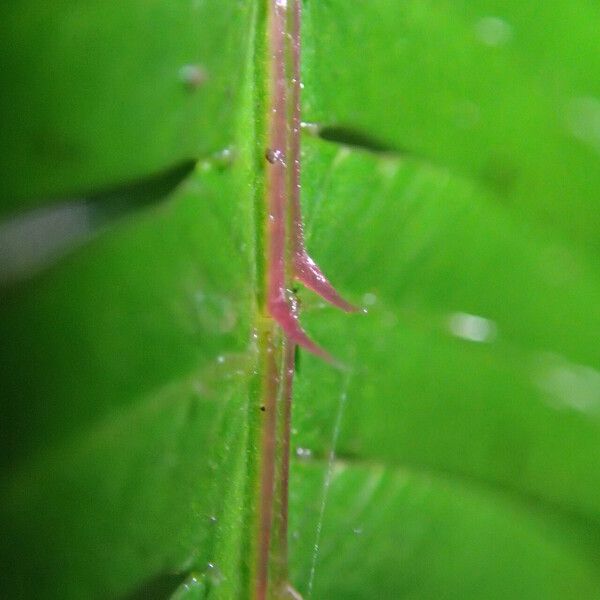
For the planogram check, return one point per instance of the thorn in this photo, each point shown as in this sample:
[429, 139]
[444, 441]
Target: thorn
[309, 273]
[287, 318]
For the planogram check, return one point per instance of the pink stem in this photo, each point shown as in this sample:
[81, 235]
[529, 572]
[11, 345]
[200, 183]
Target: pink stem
[288, 381]
[267, 480]
[279, 305]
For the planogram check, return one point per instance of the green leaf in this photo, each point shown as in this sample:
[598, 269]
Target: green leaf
[504, 92]
[101, 93]
[456, 454]
[396, 533]
[469, 380]
[139, 345]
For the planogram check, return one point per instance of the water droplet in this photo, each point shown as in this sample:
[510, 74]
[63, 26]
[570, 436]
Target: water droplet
[192, 588]
[303, 453]
[220, 359]
[193, 76]
[275, 156]
[369, 299]
[472, 327]
[310, 128]
[493, 31]
[224, 158]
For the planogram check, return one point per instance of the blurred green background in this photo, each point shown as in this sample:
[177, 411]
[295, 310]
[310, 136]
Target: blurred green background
[451, 186]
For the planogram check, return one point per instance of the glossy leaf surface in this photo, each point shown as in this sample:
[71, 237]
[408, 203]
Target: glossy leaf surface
[455, 197]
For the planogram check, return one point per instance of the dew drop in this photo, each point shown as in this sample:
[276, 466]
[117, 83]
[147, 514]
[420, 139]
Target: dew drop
[275, 156]
[194, 587]
[193, 76]
[310, 128]
[303, 453]
[224, 158]
[472, 327]
[369, 299]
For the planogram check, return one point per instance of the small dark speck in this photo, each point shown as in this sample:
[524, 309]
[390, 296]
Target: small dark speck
[263, 408]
